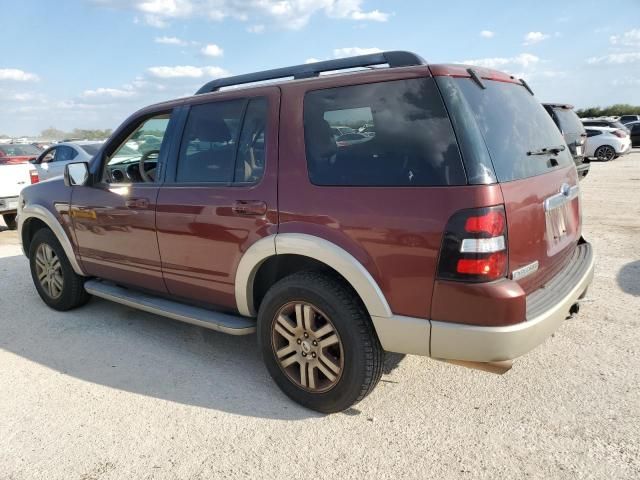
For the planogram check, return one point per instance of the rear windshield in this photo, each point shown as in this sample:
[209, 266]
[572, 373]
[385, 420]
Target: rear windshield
[569, 121]
[18, 151]
[512, 123]
[91, 148]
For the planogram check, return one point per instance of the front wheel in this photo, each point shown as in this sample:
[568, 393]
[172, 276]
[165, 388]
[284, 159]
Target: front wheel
[10, 220]
[318, 342]
[56, 282]
[605, 153]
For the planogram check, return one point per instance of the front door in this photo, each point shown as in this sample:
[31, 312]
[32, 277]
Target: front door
[220, 194]
[115, 219]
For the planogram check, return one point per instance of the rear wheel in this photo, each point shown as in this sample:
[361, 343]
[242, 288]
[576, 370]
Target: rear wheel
[605, 153]
[318, 342]
[10, 220]
[56, 282]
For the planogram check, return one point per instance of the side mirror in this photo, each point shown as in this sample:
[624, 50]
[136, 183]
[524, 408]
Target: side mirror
[76, 174]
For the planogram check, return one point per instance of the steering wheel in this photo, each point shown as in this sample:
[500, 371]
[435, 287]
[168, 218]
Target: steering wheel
[149, 176]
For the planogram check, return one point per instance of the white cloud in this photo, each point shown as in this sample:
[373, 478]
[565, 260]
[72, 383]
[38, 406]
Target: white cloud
[523, 60]
[352, 51]
[293, 14]
[627, 39]
[17, 75]
[616, 58]
[171, 41]
[187, 71]
[212, 50]
[108, 93]
[312, 60]
[535, 37]
[487, 34]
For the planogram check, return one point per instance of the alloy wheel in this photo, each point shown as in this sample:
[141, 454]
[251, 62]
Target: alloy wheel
[307, 347]
[49, 270]
[605, 153]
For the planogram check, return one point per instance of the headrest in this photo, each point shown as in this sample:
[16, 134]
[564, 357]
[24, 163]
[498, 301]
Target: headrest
[210, 130]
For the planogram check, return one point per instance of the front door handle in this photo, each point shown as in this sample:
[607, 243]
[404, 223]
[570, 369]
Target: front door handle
[249, 207]
[137, 203]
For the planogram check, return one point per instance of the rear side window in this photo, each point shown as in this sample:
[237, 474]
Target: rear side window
[224, 142]
[569, 121]
[593, 133]
[405, 137]
[513, 124]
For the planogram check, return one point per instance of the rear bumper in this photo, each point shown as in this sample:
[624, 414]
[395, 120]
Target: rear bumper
[547, 308]
[8, 205]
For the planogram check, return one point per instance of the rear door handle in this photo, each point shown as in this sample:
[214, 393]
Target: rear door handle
[249, 207]
[137, 203]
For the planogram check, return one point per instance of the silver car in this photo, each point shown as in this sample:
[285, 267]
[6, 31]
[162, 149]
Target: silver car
[51, 162]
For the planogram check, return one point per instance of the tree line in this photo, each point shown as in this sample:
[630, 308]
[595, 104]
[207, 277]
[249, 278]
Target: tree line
[52, 133]
[612, 111]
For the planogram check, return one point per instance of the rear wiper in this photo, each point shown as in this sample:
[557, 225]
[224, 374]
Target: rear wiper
[548, 150]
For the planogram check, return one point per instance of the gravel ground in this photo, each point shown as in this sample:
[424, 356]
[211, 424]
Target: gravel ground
[106, 392]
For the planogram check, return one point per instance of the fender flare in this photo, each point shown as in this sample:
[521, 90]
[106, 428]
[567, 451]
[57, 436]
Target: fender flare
[41, 213]
[314, 247]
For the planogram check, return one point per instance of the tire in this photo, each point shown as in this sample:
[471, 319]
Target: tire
[10, 220]
[60, 288]
[605, 153]
[331, 304]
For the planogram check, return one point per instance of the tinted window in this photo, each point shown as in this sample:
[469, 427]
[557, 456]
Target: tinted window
[569, 121]
[593, 133]
[635, 128]
[407, 138]
[251, 147]
[19, 150]
[513, 123]
[208, 148]
[92, 148]
[65, 154]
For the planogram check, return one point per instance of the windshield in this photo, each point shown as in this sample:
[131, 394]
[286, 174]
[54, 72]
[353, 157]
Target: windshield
[569, 121]
[18, 151]
[91, 148]
[512, 124]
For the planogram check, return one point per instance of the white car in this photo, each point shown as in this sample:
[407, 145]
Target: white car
[13, 178]
[605, 143]
[52, 161]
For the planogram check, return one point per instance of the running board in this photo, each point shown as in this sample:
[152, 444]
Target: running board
[221, 322]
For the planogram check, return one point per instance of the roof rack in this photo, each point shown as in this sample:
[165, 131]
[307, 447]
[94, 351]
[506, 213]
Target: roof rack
[310, 70]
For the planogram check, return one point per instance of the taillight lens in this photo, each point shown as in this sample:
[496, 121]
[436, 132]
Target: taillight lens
[620, 133]
[33, 174]
[474, 247]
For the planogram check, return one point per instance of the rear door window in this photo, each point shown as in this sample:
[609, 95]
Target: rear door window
[513, 124]
[405, 136]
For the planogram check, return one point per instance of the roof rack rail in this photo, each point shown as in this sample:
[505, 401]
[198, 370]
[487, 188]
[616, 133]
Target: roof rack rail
[310, 70]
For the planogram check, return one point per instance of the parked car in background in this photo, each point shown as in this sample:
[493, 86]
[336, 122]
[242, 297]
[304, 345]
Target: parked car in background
[573, 131]
[454, 232]
[351, 139]
[635, 133]
[626, 119]
[14, 176]
[15, 153]
[339, 130]
[604, 122]
[605, 143]
[52, 161]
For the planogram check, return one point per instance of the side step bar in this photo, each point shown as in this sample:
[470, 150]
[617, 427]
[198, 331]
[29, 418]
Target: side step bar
[221, 322]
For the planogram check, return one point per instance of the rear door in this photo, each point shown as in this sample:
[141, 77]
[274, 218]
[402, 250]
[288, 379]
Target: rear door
[635, 134]
[573, 131]
[13, 178]
[220, 196]
[540, 189]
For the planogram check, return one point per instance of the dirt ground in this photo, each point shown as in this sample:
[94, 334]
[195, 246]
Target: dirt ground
[107, 392]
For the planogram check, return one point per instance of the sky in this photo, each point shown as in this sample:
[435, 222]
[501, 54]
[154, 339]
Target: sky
[91, 63]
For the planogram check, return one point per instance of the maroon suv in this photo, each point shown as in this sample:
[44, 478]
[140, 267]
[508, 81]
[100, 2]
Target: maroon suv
[452, 229]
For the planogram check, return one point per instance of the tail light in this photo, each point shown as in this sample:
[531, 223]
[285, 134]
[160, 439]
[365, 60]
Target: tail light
[620, 133]
[33, 174]
[474, 246]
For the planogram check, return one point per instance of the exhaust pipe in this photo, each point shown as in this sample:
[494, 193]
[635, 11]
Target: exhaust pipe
[499, 368]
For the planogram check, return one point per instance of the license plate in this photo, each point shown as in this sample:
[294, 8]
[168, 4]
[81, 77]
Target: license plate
[579, 150]
[557, 222]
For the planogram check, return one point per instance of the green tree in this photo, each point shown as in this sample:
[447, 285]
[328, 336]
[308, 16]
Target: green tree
[612, 111]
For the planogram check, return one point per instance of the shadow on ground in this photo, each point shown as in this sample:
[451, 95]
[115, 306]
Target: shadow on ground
[629, 278]
[115, 346]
